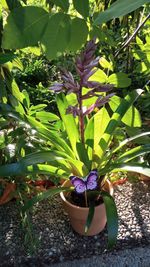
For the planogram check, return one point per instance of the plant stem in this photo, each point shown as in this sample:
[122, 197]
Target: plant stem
[86, 201]
[132, 36]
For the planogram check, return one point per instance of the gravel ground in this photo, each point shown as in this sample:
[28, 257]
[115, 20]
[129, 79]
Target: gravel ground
[59, 243]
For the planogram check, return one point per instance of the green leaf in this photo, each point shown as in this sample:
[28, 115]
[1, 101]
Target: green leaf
[64, 4]
[89, 217]
[16, 104]
[82, 6]
[54, 138]
[69, 122]
[26, 100]
[13, 4]
[24, 27]
[99, 76]
[14, 89]
[38, 107]
[47, 170]
[134, 153]
[131, 167]
[112, 218]
[120, 80]
[18, 64]
[126, 141]
[101, 119]
[4, 58]
[57, 35]
[89, 137]
[44, 195]
[78, 34]
[105, 64]
[42, 156]
[46, 116]
[116, 118]
[119, 8]
[131, 118]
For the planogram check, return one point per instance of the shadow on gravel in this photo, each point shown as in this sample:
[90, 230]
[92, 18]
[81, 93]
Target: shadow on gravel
[58, 242]
[139, 197]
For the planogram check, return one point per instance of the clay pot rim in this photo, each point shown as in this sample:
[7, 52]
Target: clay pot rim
[84, 208]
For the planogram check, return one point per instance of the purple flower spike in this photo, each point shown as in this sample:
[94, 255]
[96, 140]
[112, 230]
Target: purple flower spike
[57, 87]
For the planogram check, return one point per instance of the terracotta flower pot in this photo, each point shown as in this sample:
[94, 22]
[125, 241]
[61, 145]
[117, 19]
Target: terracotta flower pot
[78, 215]
[9, 191]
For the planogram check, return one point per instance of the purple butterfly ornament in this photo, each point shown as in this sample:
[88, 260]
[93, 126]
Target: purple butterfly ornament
[87, 183]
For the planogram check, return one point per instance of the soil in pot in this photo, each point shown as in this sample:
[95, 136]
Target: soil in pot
[79, 200]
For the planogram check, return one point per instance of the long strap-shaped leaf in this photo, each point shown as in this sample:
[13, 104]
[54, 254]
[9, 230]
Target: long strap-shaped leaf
[44, 132]
[89, 217]
[112, 218]
[134, 153]
[72, 131]
[126, 141]
[131, 167]
[17, 169]
[119, 8]
[44, 195]
[116, 118]
[51, 136]
[69, 121]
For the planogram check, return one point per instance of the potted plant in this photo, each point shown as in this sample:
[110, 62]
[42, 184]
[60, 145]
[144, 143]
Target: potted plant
[80, 147]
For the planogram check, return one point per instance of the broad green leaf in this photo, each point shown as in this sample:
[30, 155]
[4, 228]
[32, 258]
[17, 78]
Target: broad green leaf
[105, 64]
[57, 35]
[24, 27]
[38, 107]
[119, 8]
[13, 4]
[101, 119]
[119, 80]
[64, 4]
[116, 118]
[69, 122]
[16, 104]
[4, 58]
[13, 87]
[131, 118]
[44, 195]
[82, 6]
[77, 167]
[112, 218]
[90, 217]
[46, 116]
[89, 137]
[134, 153]
[78, 34]
[99, 76]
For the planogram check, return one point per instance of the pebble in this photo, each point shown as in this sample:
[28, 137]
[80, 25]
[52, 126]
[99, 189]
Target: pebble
[58, 242]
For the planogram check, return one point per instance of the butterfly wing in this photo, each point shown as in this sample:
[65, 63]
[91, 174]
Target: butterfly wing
[92, 183]
[79, 184]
